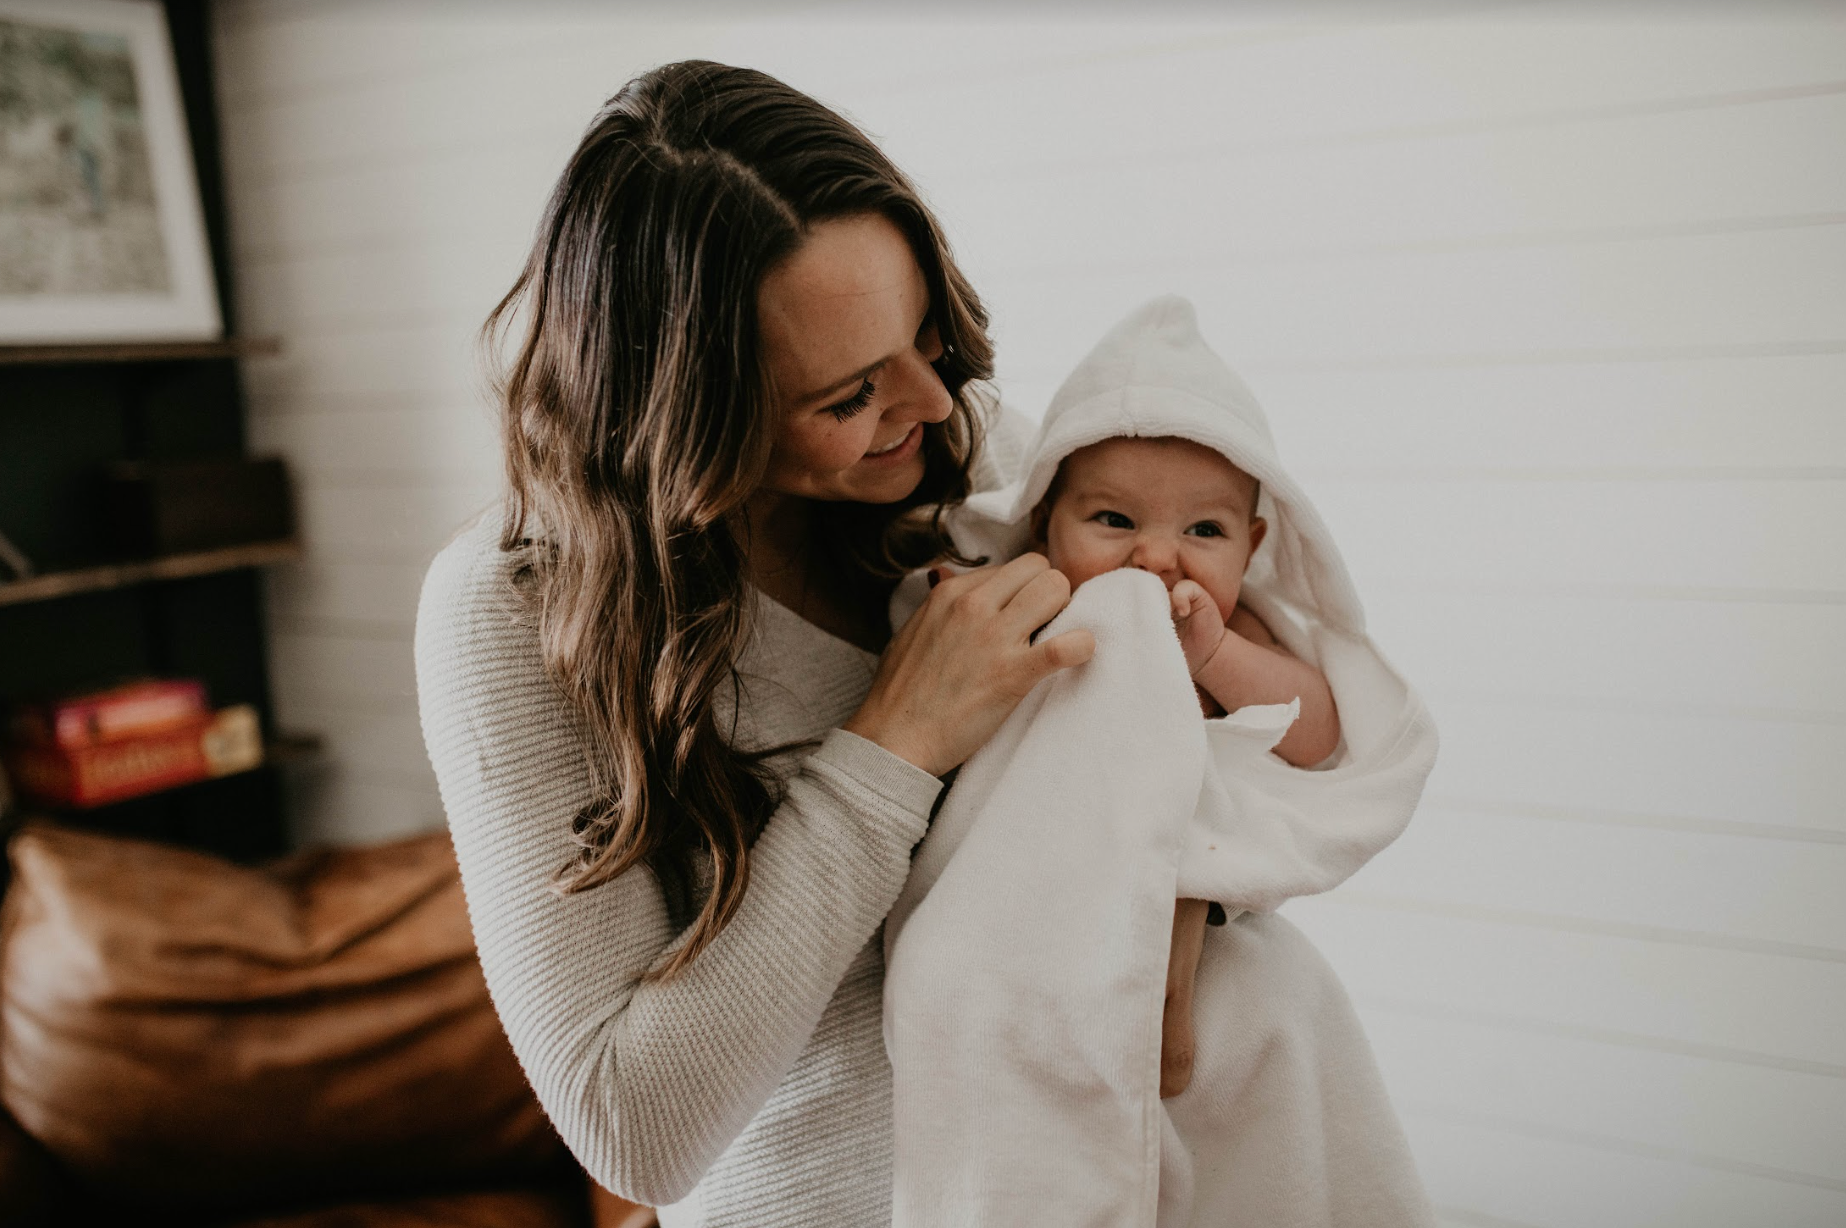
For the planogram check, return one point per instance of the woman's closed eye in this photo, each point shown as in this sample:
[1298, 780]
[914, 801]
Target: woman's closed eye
[856, 402]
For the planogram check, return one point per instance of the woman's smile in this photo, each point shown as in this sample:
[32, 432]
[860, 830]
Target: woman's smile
[898, 449]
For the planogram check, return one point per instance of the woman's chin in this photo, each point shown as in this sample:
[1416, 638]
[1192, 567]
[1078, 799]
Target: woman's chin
[887, 485]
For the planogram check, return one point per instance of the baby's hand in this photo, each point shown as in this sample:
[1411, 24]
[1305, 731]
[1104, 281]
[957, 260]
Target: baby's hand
[1199, 622]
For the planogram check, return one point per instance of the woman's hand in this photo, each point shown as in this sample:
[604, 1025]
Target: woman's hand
[1176, 1044]
[958, 668]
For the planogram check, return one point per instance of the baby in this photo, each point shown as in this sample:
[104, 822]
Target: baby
[1024, 959]
[1185, 513]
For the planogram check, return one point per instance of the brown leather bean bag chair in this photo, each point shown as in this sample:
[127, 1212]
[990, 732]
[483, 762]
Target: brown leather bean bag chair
[303, 1045]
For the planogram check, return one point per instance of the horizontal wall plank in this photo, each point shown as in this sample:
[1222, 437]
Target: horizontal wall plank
[1775, 1119]
[345, 809]
[1713, 534]
[388, 524]
[286, 51]
[384, 747]
[380, 592]
[505, 183]
[1753, 655]
[1776, 1006]
[1484, 1176]
[1773, 891]
[1699, 766]
[1769, 412]
[1525, 66]
[325, 671]
[460, 439]
[1763, 165]
[545, 87]
[433, 364]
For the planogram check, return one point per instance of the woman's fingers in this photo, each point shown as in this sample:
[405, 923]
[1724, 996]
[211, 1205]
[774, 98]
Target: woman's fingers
[960, 666]
[1015, 599]
[999, 581]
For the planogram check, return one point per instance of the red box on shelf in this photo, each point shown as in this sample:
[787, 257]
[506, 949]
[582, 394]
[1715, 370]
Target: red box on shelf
[137, 709]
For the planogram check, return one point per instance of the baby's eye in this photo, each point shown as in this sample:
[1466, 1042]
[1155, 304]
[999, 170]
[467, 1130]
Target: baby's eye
[1210, 528]
[1111, 518]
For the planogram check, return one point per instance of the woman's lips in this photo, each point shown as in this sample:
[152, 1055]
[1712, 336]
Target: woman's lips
[901, 452]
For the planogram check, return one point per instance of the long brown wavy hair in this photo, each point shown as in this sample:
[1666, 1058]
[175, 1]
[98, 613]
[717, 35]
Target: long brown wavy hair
[637, 419]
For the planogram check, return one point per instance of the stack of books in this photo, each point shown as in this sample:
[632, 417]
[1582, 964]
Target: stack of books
[89, 750]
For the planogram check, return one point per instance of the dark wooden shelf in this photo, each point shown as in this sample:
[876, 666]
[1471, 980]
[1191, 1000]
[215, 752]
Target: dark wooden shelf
[140, 351]
[294, 749]
[168, 567]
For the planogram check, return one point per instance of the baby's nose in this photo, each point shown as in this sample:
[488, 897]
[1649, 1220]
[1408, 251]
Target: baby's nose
[1157, 555]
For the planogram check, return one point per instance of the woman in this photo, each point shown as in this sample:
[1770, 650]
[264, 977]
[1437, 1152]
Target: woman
[684, 759]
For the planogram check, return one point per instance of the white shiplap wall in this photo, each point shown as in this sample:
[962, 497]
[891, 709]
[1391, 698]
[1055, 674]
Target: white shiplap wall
[1548, 307]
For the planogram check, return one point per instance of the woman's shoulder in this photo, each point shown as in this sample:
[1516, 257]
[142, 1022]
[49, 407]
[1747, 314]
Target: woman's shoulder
[492, 718]
[470, 618]
[470, 577]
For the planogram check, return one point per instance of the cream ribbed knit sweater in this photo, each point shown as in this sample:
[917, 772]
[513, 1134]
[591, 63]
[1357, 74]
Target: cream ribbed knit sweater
[753, 1089]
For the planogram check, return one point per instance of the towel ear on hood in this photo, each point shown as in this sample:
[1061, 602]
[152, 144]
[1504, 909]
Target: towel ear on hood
[1153, 375]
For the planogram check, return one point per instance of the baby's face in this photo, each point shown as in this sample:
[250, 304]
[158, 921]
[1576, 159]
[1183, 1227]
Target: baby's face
[1165, 505]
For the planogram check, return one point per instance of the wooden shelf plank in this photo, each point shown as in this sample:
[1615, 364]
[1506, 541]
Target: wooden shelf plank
[54, 810]
[140, 351]
[168, 567]
[289, 750]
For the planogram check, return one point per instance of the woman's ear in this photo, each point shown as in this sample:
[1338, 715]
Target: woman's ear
[1259, 528]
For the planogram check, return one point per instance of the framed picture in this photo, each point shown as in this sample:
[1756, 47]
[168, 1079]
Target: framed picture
[101, 235]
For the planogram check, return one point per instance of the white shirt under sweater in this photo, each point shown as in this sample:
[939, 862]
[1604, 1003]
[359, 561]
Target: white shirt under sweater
[753, 1089]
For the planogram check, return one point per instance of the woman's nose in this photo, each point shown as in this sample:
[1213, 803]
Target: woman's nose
[924, 395]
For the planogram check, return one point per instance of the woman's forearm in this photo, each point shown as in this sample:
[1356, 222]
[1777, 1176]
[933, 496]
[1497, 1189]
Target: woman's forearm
[1241, 673]
[649, 1081]
[693, 1059]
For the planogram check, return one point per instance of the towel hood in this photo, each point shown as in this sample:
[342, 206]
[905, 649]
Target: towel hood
[1154, 375]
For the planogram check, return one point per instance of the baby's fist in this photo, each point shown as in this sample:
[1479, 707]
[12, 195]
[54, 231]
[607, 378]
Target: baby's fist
[1198, 621]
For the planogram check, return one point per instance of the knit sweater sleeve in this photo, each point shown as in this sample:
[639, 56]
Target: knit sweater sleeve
[647, 1083]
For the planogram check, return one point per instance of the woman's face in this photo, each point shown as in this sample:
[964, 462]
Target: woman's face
[847, 343]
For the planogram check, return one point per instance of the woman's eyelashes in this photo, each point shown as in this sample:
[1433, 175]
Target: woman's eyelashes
[854, 403]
